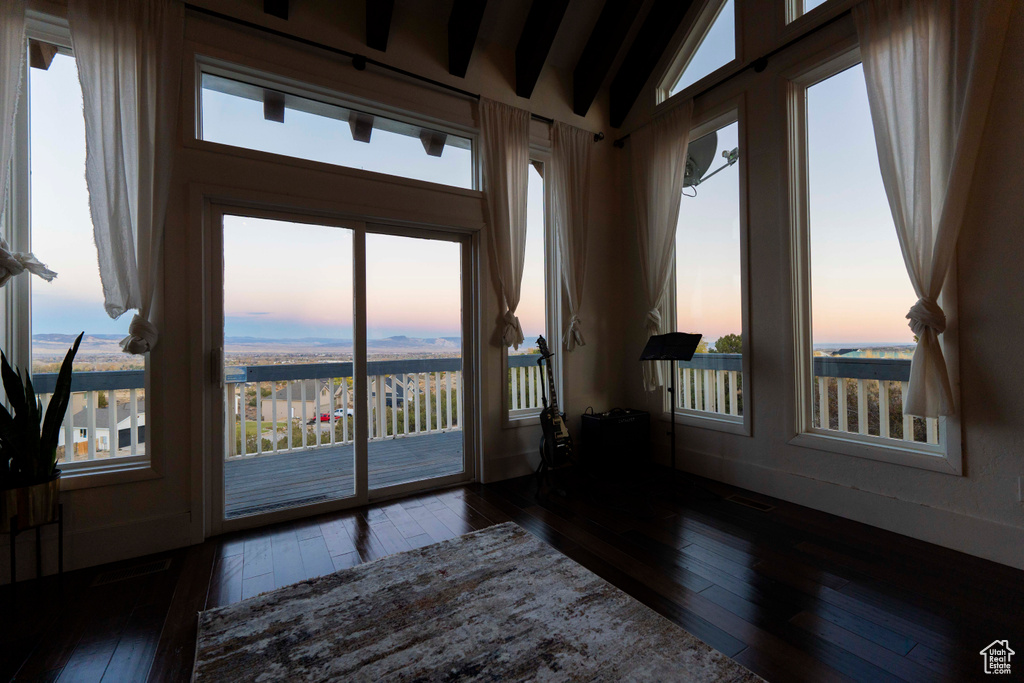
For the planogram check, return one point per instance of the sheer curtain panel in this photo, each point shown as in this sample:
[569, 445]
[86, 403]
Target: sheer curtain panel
[505, 152]
[930, 66]
[570, 191]
[658, 159]
[12, 69]
[129, 64]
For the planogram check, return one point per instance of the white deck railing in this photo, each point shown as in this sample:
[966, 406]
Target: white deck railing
[870, 404]
[871, 399]
[302, 407]
[95, 433]
[524, 384]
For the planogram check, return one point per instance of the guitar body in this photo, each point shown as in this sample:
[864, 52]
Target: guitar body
[555, 442]
[556, 447]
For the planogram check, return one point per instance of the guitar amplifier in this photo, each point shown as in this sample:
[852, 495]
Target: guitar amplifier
[615, 438]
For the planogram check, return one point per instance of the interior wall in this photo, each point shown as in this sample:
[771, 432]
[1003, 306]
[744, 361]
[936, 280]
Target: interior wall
[167, 510]
[978, 513]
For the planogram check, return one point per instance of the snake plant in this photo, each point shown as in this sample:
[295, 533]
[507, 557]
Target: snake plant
[28, 439]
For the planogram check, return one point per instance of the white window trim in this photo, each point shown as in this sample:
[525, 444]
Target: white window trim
[947, 457]
[552, 309]
[799, 22]
[726, 113]
[695, 27]
[17, 298]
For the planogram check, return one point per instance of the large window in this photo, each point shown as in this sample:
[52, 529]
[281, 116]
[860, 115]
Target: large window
[257, 117]
[525, 389]
[856, 346]
[105, 424]
[710, 45]
[708, 293]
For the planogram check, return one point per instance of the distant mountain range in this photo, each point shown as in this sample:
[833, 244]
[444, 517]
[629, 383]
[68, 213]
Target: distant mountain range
[58, 344]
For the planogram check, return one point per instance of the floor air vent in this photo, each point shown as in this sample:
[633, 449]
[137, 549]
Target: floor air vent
[115, 575]
[741, 500]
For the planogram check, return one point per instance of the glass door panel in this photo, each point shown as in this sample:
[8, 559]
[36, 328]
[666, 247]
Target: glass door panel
[414, 359]
[288, 365]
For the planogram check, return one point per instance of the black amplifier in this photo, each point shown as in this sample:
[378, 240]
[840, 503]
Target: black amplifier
[616, 439]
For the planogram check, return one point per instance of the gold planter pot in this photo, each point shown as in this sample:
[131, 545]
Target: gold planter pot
[34, 505]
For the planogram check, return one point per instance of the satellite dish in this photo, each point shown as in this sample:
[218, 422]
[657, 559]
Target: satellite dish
[698, 158]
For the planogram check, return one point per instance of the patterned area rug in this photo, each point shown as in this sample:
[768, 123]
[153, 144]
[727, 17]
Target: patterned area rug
[495, 605]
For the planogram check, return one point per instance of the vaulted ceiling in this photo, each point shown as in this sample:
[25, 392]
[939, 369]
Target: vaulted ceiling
[594, 40]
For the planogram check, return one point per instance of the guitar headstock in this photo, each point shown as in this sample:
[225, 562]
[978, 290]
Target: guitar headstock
[543, 346]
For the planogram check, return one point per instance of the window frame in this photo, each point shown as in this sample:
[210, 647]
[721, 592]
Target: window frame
[206, 64]
[695, 31]
[17, 300]
[946, 457]
[552, 308]
[725, 114]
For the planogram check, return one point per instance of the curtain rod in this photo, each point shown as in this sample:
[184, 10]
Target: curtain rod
[359, 62]
[759, 64]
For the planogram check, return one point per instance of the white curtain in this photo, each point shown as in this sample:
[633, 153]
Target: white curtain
[570, 192]
[930, 66]
[129, 64]
[12, 69]
[658, 158]
[505, 152]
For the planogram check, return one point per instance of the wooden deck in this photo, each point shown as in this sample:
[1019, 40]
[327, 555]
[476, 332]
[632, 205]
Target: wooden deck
[270, 482]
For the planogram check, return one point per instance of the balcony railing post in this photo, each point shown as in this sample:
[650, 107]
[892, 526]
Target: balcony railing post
[908, 421]
[883, 408]
[416, 381]
[862, 406]
[734, 404]
[133, 406]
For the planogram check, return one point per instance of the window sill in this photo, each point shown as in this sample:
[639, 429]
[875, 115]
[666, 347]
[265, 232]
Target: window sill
[89, 475]
[521, 419]
[730, 424]
[921, 456]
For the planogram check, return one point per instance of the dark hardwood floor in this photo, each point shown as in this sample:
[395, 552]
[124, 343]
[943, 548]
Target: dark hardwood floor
[794, 594]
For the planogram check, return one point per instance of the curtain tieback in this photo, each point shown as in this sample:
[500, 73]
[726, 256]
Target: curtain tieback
[142, 336]
[653, 321]
[513, 334]
[16, 263]
[926, 314]
[573, 334]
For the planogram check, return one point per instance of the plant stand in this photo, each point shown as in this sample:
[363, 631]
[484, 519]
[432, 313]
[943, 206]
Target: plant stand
[15, 530]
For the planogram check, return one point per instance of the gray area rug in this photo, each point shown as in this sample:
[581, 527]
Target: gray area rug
[495, 605]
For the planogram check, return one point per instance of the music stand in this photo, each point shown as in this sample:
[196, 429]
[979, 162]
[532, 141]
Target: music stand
[674, 346]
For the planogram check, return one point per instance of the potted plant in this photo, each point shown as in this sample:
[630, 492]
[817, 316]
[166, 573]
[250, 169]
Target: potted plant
[29, 478]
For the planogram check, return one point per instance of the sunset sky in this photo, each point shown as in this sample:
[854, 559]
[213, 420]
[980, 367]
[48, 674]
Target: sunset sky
[287, 280]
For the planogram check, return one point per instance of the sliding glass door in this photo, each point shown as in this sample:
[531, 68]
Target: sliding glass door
[342, 365]
[414, 359]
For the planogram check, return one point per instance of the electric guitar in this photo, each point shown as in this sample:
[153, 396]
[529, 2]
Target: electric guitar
[556, 447]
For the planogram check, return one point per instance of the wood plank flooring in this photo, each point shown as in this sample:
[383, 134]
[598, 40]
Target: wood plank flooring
[269, 482]
[794, 594]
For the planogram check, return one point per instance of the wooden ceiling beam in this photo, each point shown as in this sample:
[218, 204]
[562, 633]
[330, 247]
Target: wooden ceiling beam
[535, 42]
[463, 28]
[617, 17]
[378, 23]
[276, 8]
[650, 43]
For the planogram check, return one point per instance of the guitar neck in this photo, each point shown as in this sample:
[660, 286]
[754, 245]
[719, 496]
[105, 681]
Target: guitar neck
[551, 384]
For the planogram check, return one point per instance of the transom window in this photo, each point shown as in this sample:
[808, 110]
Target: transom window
[252, 116]
[710, 45]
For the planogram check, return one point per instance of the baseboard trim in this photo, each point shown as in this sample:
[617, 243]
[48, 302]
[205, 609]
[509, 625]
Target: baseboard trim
[90, 547]
[508, 467]
[983, 538]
